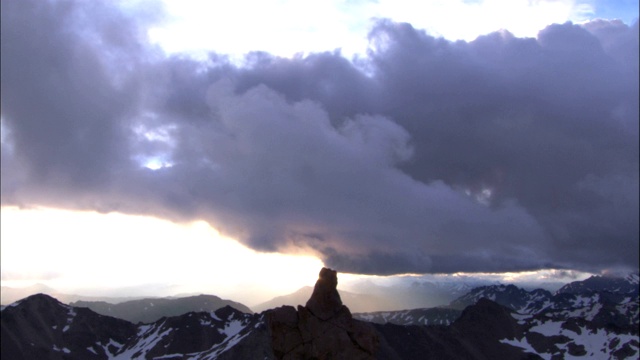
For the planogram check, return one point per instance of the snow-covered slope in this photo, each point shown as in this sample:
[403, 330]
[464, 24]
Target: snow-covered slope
[202, 335]
[574, 337]
[596, 318]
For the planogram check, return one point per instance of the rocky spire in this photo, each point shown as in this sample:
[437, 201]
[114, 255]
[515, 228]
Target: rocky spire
[325, 301]
[323, 329]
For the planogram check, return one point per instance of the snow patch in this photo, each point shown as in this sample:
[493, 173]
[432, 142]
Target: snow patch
[593, 312]
[171, 356]
[111, 343]
[597, 343]
[521, 317]
[232, 328]
[150, 338]
[524, 345]
[214, 352]
[548, 328]
[12, 304]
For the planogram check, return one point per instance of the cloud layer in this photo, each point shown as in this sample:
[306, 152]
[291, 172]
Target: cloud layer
[499, 154]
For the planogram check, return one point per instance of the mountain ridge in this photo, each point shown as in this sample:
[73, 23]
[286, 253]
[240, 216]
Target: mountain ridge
[568, 325]
[150, 310]
[9, 295]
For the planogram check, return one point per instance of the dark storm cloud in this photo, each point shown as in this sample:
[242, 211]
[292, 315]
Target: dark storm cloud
[500, 154]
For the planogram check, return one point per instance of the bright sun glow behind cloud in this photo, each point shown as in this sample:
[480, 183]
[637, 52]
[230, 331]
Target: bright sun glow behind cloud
[76, 251]
[285, 27]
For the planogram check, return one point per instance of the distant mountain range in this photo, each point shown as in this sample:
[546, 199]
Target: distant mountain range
[355, 302]
[362, 296]
[596, 318]
[419, 293]
[10, 295]
[150, 310]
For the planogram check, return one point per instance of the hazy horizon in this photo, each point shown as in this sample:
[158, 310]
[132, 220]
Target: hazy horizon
[399, 285]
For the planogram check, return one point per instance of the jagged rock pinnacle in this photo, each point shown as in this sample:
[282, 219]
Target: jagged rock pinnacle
[323, 329]
[325, 301]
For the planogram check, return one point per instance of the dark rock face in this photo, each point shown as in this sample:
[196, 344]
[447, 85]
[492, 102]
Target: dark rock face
[323, 329]
[325, 301]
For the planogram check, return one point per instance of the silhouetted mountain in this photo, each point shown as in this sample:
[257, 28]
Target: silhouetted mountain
[150, 310]
[10, 295]
[565, 325]
[355, 302]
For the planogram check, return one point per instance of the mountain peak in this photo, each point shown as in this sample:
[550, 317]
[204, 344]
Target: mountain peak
[41, 300]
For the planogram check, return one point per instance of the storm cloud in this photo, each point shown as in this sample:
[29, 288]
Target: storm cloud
[425, 155]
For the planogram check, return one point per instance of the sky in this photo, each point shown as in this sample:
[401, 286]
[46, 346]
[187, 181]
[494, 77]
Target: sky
[236, 147]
